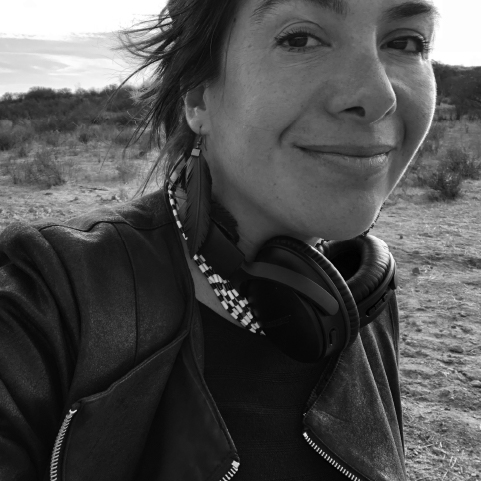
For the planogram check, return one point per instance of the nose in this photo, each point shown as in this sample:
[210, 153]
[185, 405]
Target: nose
[361, 90]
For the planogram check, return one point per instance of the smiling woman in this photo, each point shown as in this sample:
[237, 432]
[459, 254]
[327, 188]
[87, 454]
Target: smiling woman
[209, 330]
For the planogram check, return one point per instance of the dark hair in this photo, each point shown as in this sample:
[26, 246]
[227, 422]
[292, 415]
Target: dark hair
[184, 47]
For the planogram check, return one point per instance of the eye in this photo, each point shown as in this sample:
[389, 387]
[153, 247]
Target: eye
[298, 40]
[412, 45]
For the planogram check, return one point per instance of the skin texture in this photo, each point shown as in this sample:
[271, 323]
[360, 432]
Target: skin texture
[337, 81]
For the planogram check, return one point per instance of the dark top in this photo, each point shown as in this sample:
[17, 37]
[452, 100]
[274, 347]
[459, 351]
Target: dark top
[262, 394]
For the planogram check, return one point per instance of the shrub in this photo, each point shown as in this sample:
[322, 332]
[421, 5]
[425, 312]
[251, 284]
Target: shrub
[126, 170]
[419, 174]
[50, 124]
[459, 161]
[84, 137]
[446, 183]
[432, 142]
[52, 138]
[123, 137]
[7, 140]
[23, 150]
[44, 169]
[15, 136]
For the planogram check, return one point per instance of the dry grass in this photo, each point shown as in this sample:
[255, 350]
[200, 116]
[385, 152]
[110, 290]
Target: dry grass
[90, 154]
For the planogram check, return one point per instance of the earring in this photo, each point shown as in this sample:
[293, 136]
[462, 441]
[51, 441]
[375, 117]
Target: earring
[196, 209]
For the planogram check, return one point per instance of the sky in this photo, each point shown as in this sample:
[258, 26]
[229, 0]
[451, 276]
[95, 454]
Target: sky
[64, 44]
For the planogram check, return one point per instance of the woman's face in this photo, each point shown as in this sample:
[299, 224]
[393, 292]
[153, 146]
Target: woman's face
[320, 107]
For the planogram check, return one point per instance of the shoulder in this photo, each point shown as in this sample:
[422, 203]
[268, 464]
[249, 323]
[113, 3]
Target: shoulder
[146, 213]
[102, 230]
[107, 259]
[112, 277]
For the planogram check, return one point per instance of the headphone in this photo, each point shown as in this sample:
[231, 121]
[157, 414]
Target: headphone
[311, 304]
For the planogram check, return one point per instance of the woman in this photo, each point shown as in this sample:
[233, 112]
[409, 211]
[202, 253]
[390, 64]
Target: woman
[296, 118]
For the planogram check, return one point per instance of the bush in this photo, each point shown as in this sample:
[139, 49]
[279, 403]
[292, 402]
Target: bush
[459, 161]
[432, 142]
[84, 137]
[44, 169]
[23, 150]
[446, 183]
[123, 137]
[126, 170]
[15, 136]
[51, 124]
[52, 138]
[7, 140]
[419, 174]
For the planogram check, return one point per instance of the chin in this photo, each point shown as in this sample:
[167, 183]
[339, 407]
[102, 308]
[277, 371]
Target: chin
[349, 228]
[345, 234]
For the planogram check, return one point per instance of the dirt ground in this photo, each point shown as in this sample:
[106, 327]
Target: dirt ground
[437, 247]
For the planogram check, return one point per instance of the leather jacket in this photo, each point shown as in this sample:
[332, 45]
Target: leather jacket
[101, 362]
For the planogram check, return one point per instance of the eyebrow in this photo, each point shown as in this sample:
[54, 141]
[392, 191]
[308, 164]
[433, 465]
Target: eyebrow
[409, 10]
[337, 6]
[340, 7]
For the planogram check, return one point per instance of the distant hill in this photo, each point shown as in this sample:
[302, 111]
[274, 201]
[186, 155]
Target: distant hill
[461, 88]
[64, 110]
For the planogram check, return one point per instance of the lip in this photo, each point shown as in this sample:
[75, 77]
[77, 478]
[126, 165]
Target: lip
[358, 151]
[365, 161]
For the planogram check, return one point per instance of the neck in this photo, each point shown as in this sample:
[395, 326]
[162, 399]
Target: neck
[254, 229]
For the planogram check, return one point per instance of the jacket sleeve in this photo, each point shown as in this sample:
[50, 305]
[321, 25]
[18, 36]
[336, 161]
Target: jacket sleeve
[38, 335]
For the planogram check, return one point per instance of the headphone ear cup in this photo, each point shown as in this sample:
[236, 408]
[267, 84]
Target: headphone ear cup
[372, 263]
[305, 250]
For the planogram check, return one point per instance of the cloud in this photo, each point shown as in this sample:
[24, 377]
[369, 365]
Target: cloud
[85, 60]
[87, 46]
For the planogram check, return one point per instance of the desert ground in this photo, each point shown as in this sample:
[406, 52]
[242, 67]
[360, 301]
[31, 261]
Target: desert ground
[437, 247]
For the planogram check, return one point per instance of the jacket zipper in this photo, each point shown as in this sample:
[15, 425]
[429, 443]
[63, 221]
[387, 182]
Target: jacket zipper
[58, 445]
[330, 459]
[232, 471]
[61, 436]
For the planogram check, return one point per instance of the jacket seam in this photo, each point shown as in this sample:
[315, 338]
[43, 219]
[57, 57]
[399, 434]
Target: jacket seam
[395, 330]
[134, 280]
[96, 223]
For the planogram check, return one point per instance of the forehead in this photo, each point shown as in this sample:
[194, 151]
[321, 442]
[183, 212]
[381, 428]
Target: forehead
[391, 9]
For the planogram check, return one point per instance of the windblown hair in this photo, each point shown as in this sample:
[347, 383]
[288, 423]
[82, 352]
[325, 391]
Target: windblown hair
[184, 46]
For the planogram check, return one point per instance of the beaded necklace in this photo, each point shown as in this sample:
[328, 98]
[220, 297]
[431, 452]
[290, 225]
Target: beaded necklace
[236, 305]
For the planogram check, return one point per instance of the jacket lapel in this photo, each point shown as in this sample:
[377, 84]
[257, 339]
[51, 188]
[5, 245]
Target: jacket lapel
[355, 415]
[109, 430]
[157, 422]
[188, 440]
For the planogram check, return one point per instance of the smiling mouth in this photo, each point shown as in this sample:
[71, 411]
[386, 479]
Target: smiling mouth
[356, 151]
[358, 161]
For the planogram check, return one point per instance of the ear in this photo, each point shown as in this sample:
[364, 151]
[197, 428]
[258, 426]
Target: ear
[196, 112]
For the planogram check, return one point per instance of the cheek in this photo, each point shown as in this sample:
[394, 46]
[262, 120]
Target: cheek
[417, 102]
[256, 94]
